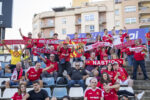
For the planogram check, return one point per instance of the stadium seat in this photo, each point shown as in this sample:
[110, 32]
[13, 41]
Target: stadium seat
[87, 82]
[29, 89]
[2, 58]
[9, 92]
[3, 79]
[48, 91]
[59, 92]
[49, 81]
[130, 89]
[8, 58]
[74, 92]
[0, 93]
[4, 64]
[43, 65]
[8, 74]
[34, 58]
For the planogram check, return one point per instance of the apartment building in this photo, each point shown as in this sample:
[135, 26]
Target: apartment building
[89, 17]
[132, 13]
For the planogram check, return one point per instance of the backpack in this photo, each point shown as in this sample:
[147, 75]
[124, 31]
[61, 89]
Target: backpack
[62, 80]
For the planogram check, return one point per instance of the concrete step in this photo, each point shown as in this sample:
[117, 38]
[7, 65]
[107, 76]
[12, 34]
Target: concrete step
[141, 82]
[128, 69]
[147, 92]
[139, 77]
[147, 62]
[141, 87]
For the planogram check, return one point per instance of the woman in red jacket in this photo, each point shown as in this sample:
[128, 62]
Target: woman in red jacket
[110, 87]
[21, 92]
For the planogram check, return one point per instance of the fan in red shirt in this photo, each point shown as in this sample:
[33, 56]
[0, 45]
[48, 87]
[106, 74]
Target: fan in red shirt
[33, 73]
[64, 56]
[53, 70]
[109, 71]
[93, 92]
[30, 45]
[139, 56]
[110, 87]
[107, 37]
[21, 92]
[55, 37]
[103, 53]
[129, 54]
[122, 75]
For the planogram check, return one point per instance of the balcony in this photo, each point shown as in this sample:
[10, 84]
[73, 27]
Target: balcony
[102, 21]
[145, 22]
[47, 26]
[144, 1]
[144, 10]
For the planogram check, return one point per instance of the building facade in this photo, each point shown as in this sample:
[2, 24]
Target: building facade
[87, 16]
[132, 13]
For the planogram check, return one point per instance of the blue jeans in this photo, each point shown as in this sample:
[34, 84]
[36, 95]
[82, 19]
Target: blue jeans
[31, 55]
[80, 82]
[130, 60]
[1, 73]
[142, 65]
[13, 83]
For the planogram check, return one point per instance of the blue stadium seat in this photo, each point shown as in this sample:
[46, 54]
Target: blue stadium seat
[49, 81]
[3, 64]
[59, 92]
[48, 91]
[8, 74]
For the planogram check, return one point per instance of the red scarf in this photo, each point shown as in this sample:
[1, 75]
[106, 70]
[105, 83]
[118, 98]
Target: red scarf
[43, 50]
[103, 62]
[96, 45]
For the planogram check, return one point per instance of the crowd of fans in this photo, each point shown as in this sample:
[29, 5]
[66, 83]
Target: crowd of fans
[104, 80]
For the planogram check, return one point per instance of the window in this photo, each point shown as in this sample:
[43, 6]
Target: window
[89, 28]
[89, 17]
[79, 20]
[130, 20]
[51, 33]
[117, 23]
[64, 21]
[117, 1]
[117, 12]
[50, 22]
[63, 31]
[130, 8]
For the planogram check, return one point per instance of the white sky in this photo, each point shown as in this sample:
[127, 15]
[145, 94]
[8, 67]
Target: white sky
[23, 11]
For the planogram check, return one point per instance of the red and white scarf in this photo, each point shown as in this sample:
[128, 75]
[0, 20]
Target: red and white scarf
[15, 74]
[103, 62]
[96, 45]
